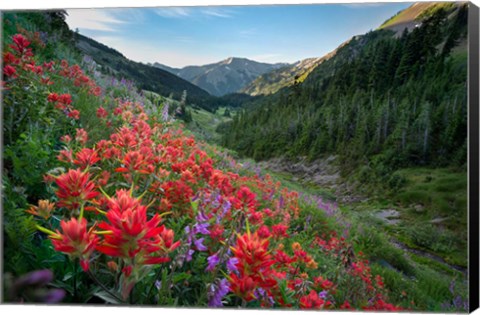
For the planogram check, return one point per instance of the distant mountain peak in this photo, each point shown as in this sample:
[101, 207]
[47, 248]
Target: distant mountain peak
[227, 76]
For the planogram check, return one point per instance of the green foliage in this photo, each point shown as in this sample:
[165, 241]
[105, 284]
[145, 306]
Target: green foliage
[401, 98]
[378, 248]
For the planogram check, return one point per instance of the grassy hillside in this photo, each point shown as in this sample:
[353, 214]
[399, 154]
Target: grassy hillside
[412, 16]
[146, 77]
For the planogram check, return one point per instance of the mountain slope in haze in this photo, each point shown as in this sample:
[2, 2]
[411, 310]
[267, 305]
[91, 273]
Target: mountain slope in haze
[271, 82]
[274, 80]
[147, 77]
[224, 77]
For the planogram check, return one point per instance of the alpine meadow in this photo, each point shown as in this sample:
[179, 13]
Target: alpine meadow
[334, 182]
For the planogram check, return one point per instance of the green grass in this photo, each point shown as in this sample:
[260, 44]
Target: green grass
[440, 192]
[205, 123]
[433, 210]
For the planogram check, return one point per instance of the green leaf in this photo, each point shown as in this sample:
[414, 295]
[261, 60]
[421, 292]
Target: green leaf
[106, 297]
[181, 276]
[195, 206]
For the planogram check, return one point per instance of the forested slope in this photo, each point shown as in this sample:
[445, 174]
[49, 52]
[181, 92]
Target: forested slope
[400, 99]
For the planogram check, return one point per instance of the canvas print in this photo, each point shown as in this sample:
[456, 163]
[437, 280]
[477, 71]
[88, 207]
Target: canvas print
[268, 156]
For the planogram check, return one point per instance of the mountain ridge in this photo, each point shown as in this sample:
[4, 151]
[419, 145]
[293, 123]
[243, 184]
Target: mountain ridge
[229, 75]
[146, 76]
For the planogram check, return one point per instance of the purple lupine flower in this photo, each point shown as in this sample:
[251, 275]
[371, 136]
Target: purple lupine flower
[225, 208]
[232, 264]
[190, 234]
[189, 255]
[216, 201]
[165, 112]
[212, 262]
[281, 202]
[260, 293]
[458, 302]
[201, 228]
[217, 292]
[199, 244]
[323, 295]
[201, 217]
[53, 296]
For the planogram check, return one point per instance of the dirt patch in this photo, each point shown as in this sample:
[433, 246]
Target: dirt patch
[389, 216]
[324, 173]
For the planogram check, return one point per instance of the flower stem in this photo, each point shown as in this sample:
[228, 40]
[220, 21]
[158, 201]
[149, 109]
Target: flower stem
[75, 267]
[119, 299]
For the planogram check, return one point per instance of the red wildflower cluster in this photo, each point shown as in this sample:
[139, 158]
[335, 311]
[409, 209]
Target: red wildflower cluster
[313, 301]
[131, 236]
[75, 240]
[74, 189]
[254, 266]
[79, 78]
[19, 58]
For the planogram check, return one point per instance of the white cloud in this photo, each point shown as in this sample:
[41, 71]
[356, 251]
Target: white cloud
[93, 19]
[185, 12]
[173, 12]
[216, 12]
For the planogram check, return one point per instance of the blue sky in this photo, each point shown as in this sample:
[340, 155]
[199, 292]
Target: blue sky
[181, 36]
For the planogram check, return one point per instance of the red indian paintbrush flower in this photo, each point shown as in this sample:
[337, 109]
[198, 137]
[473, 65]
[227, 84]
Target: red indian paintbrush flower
[312, 300]
[9, 71]
[252, 252]
[75, 240]
[81, 136]
[131, 234]
[43, 210]
[86, 157]
[74, 189]
[20, 44]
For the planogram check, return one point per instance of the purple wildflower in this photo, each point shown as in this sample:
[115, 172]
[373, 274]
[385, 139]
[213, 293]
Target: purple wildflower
[217, 292]
[281, 202]
[199, 244]
[225, 208]
[165, 112]
[201, 228]
[232, 264]
[323, 295]
[212, 262]
[260, 293]
[189, 255]
[201, 217]
[458, 302]
[190, 234]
